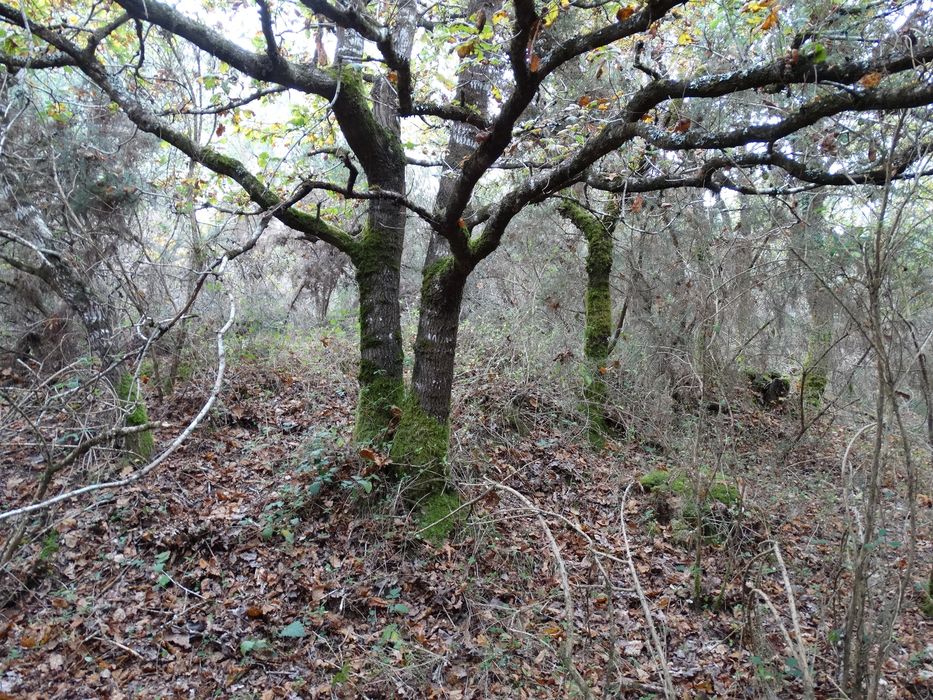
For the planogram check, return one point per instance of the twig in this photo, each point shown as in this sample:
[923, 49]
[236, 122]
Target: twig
[797, 649]
[176, 443]
[660, 656]
[567, 647]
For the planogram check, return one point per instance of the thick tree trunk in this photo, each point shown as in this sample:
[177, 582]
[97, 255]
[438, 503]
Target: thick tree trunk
[378, 259]
[378, 264]
[421, 440]
[598, 329]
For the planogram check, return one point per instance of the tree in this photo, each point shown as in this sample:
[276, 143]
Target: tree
[715, 98]
[65, 210]
[597, 336]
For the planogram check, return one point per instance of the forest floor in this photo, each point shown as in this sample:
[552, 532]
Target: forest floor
[267, 559]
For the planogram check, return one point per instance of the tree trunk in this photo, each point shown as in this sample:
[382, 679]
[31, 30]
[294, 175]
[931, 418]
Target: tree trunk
[420, 444]
[378, 260]
[421, 441]
[378, 263]
[598, 328]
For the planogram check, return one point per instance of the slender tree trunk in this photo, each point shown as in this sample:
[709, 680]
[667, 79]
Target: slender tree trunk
[598, 329]
[420, 445]
[378, 263]
[817, 364]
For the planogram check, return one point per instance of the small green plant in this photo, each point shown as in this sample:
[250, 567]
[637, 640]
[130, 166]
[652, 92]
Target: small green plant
[295, 630]
[249, 646]
[159, 567]
[50, 545]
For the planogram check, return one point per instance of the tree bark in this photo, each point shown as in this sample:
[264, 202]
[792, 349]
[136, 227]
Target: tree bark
[420, 444]
[598, 325]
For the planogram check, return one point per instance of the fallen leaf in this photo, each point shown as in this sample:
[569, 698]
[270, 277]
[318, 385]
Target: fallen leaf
[870, 80]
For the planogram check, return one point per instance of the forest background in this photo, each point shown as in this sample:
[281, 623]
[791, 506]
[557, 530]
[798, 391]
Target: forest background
[480, 350]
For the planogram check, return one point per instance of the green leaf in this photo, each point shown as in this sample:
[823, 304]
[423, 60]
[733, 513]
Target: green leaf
[248, 645]
[399, 608]
[816, 53]
[296, 630]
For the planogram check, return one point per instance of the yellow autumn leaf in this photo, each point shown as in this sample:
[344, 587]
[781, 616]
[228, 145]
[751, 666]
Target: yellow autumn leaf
[771, 21]
[684, 39]
[500, 16]
[551, 15]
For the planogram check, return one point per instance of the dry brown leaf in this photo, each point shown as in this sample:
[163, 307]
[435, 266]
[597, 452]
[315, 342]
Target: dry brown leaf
[870, 80]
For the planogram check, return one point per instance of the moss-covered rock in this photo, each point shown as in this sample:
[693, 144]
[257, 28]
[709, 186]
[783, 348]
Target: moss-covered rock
[439, 516]
[133, 405]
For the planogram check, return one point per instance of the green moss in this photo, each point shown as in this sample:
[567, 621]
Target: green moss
[663, 480]
[814, 366]
[814, 386]
[374, 410]
[436, 269]
[726, 494]
[655, 479]
[133, 404]
[436, 516]
[598, 328]
[598, 322]
[594, 406]
[419, 449]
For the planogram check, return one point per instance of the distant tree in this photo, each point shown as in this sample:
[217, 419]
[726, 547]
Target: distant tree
[68, 189]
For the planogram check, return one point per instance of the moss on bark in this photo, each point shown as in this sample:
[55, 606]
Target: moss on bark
[132, 403]
[598, 328]
[374, 408]
[380, 377]
[439, 516]
[419, 449]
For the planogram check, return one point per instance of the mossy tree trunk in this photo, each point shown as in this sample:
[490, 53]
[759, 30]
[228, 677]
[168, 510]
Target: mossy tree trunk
[597, 230]
[809, 245]
[374, 136]
[817, 363]
[378, 262]
[420, 444]
[421, 441]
